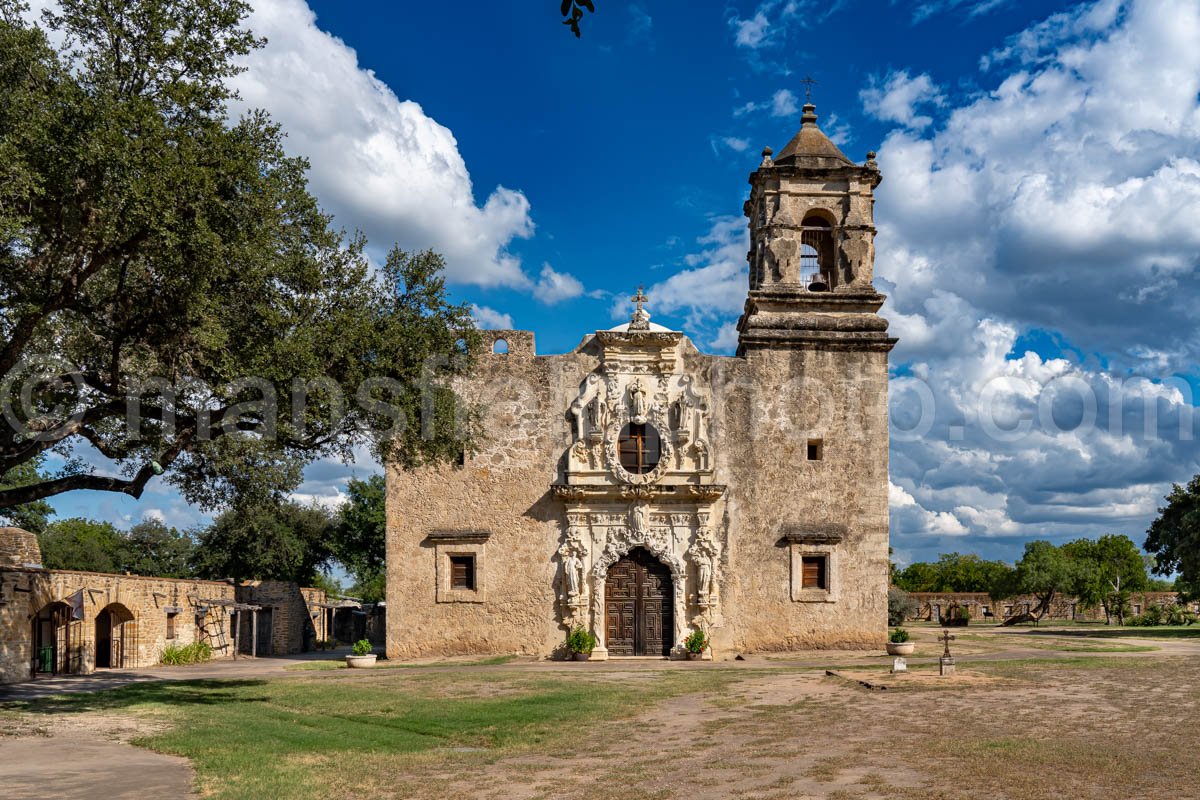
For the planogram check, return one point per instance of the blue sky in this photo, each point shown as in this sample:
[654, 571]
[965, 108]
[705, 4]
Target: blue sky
[1037, 230]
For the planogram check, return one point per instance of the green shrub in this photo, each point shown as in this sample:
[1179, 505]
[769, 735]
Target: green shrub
[695, 642]
[175, 655]
[898, 636]
[581, 640]
[901, 606]
[362, 647]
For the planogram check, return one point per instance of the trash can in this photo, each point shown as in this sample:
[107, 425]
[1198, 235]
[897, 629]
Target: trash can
[46, 659]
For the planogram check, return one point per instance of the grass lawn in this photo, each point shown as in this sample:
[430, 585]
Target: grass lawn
[1083, 725]
[302, 737]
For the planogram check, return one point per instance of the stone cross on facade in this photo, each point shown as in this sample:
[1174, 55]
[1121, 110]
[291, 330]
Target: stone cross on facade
[640, 320]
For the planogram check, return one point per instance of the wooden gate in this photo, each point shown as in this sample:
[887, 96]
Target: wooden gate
[638, 603]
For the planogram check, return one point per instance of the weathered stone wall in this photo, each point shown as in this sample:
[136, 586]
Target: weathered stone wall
[932, 605]
[504, 488]
[767, 407]
[773, 404]
[293, 625]
[19, 548]
[24, 592]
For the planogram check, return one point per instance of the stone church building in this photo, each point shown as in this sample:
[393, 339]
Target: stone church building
[643, 489]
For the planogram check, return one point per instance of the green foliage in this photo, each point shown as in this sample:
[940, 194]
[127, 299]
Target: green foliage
[573, 11]
[33, 516]
[581, 640]
[156, 253]
[900, 606]
[1175, 614]
[363, 647]
[270, 541]
[370, 588]
[358, 538]
[152, 548]
[953, 572]
[327, 583]
[82, 544]
[1043, 571]
[174, 655]
[696, 641]
[1174, 538]
[1106, 571]
[898, 636]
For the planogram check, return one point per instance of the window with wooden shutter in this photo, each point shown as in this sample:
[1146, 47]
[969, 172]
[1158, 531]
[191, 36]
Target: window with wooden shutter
[814, 573]
[171, 626]
[462, 572]
[640, 448]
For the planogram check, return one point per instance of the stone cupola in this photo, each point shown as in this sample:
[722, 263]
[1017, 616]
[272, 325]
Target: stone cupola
[812, 249]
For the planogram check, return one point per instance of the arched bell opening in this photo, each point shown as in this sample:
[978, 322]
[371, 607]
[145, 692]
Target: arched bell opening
[817, 273]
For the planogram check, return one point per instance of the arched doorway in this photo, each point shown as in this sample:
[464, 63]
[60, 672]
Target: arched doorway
[638, 606]
[116, 637]
[55, 638]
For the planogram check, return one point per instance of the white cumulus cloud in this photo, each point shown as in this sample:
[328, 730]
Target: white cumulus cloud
[379, 163]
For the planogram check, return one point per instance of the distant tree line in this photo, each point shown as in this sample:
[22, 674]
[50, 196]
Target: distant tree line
[264, 539]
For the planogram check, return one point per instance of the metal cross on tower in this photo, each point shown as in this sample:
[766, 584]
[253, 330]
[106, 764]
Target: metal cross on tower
[808, 84]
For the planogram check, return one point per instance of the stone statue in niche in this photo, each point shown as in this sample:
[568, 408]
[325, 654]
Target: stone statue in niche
[704, 553]
[589, 409]
[639, 521]
[639, 402]
[572, 573]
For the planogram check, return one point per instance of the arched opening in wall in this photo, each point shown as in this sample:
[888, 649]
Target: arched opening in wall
[500, 347]
[56, 640]
[639, 606]
[816, 253]
[116, 638]
[639, 448]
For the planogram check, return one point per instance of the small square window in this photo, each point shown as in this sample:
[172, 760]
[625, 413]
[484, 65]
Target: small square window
[814, 573]
[462, 572]
[816, 449]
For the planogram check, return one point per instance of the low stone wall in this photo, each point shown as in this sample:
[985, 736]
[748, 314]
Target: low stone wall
[292, 609]
[931, 606]
[19, 548]
[148, 614]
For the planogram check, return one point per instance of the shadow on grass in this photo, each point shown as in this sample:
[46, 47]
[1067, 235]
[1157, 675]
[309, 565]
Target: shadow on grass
[162, 693]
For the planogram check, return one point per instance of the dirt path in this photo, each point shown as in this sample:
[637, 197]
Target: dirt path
[85, 757]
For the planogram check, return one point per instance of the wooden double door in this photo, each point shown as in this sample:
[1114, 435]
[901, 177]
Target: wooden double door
[638, 606]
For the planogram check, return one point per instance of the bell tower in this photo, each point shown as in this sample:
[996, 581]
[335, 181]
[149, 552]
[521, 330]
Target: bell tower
[812, 249]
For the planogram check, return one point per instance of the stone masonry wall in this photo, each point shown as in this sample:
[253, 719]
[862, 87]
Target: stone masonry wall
[19, 548]
[23, 592]
[504, 488]
[774, 403]
[766, 409]
[292, 623]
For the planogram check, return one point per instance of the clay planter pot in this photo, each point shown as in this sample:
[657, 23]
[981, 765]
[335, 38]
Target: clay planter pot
[901, 648]
[694, 656]
[361, 662]
[582, 656]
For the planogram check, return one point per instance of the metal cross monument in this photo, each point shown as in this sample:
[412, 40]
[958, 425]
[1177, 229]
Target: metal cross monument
[947, 638]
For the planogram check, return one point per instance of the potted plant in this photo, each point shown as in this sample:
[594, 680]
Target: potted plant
[362, 655]
[695, 644]
[898, 643]
[581, 642]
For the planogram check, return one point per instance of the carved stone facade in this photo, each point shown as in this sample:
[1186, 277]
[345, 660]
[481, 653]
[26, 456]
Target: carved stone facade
[758, 482]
